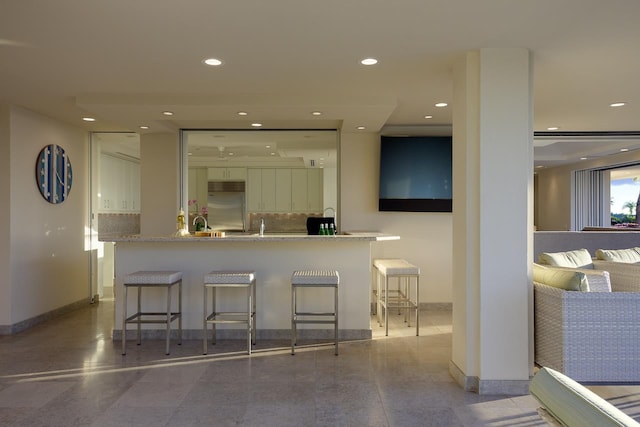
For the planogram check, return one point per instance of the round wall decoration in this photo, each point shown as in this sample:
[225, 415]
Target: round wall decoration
[53, 174]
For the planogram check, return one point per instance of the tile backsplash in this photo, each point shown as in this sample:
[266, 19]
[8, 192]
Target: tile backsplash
[281, 222]
[118, 224]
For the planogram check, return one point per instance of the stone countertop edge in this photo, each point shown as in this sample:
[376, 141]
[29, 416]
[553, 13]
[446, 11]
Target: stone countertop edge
[348, 236]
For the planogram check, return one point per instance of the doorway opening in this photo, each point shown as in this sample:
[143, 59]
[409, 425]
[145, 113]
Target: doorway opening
[115, 200]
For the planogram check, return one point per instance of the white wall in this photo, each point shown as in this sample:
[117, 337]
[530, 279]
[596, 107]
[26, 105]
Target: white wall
[425, 238]
[159, 184]
[5, 217]
[49, 258]
[553, 196]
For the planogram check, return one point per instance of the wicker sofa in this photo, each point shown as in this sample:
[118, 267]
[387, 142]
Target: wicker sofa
[623, 265]
[591, 335]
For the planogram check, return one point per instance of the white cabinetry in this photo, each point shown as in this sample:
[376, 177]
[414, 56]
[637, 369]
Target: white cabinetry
[306, 190]
[284, 190]
[198, 188]
[119, 185]
[261, 190]
[227, 174]
[315, 190]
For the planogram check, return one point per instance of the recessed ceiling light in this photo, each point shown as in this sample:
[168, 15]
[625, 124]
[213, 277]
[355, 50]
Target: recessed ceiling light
[214, 62]
[273, 154]
[267, 146]
[316, 113]
[369, 61]
[256, 125]
[190, 153]
[168, 113]
[441, 104]
[242, 113]
[583, 158]
[618, 104]
[88, 119]
[539, 167]
[361, 128]
[144, 127]
[624, 149]
[232, 154]
[428, 117]
[553, 128]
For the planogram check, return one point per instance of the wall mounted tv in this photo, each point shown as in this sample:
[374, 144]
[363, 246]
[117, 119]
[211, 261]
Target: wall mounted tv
[415, 174]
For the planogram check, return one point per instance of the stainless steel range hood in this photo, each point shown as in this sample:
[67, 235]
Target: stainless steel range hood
[226, 186]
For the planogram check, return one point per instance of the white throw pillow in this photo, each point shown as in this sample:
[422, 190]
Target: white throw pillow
[579, 258]
[563, 279]
[630, 256]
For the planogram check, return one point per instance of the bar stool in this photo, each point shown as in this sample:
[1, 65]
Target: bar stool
[403, 271]
[152, 279]
[230, 280]
[313, 279]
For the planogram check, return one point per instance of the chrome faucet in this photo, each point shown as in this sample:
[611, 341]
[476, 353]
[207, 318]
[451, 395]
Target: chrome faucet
[262, 226]
[203, 219]
[325, 211]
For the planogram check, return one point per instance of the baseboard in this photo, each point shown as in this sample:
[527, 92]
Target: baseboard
[41, 318]
[241, 334]
[476, 385]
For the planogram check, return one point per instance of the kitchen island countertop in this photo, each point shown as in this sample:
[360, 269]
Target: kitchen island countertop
[268, 237]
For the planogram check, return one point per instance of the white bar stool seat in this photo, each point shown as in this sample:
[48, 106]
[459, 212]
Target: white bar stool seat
[152, 279]
[228, 279]
[402, 298]
[314, 279]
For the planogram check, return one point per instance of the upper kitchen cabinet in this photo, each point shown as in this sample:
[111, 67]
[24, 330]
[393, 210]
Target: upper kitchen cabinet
[306, 190]
[227, 174]
[119, 188]
[198, 189]
[261, 190]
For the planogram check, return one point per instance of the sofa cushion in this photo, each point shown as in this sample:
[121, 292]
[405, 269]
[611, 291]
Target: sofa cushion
[564, 279]
[573, 404]
[579, 258]
[631, 255]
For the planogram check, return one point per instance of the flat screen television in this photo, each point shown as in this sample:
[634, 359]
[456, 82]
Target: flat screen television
[415, 174]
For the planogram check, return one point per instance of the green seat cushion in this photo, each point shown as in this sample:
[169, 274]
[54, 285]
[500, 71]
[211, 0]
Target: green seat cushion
[563, 279]
[580, 258]
[573, 404]
[631, 255]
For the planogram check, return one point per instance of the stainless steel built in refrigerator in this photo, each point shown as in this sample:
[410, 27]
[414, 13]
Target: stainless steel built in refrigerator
[226, 205]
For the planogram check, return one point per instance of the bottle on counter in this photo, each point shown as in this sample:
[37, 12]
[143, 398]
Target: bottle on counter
[322, 231]
[181, 228]
[332, 230]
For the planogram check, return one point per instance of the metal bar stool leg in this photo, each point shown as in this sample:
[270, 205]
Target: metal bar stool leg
[417, 306]
[254, 324]
[336, 318]
[168, 328]
[139, 317]
[386, 306]
[180, 311]
[204, 320]
[293, 319]
[124, 319]
[249, 307]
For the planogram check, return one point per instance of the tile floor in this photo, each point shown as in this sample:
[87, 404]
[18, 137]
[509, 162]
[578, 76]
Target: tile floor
[68, 372]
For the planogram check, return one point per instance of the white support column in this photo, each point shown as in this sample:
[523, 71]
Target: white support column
[492, 221]
[159, 183]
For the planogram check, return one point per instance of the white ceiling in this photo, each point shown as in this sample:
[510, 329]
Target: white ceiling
[124, 62]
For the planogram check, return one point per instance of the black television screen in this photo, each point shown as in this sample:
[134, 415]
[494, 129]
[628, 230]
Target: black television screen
[415, 174]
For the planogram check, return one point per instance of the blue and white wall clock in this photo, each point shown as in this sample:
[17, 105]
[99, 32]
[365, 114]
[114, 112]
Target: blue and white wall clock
[53, 174]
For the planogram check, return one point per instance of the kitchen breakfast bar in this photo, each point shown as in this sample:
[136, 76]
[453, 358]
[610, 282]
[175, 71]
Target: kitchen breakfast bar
[273, 257]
